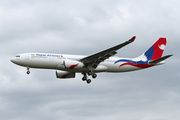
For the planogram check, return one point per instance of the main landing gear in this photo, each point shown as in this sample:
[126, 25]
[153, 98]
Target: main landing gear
[28, 72]
[85, 77]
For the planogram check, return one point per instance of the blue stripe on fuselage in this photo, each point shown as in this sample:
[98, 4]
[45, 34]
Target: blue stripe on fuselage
[130, 61]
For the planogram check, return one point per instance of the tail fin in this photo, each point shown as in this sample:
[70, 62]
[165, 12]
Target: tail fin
[156, 50]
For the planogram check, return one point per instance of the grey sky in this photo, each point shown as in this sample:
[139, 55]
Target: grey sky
[86, 27]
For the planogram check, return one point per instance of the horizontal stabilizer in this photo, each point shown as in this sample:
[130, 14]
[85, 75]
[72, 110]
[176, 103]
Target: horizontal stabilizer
[159, 60]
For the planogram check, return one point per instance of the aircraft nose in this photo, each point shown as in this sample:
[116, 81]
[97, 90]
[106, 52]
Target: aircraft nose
[15, 60]
[12, 60]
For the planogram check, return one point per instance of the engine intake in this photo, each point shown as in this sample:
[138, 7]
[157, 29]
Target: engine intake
[64, 74]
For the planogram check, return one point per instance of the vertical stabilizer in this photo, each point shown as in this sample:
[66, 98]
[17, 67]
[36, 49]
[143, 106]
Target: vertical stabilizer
[156, 50]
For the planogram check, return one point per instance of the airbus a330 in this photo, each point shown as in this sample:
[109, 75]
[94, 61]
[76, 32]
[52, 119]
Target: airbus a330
[67, 66]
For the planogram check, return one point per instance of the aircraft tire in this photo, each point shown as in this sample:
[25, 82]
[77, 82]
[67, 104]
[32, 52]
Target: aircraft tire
[28, 72]
[94, 75]
[89, 81]
[84, 78]
[89, 73]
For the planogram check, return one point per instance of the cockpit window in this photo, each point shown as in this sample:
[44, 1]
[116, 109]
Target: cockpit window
[17, 55]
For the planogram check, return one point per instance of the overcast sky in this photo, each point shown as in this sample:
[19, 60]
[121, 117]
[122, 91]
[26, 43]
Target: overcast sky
[85, 27]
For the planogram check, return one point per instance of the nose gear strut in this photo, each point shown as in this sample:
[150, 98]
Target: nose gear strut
[28, 72]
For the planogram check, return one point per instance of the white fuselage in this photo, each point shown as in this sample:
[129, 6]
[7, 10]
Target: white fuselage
[55, 61]
[67, 66]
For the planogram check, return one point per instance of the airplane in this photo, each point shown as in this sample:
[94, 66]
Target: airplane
[67, 66]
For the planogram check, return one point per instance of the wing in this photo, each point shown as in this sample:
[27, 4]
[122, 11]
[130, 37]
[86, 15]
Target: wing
[95, 59]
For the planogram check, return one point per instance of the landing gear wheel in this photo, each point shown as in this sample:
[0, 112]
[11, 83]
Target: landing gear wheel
[89, 73]
[84, 78]
[94, 76]
[28, 72]
[89, 81]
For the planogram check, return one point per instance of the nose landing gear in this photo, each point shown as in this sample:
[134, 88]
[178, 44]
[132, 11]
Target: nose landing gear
[28, 72]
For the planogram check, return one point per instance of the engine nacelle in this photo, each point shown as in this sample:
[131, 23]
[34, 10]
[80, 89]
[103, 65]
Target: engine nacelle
[64, 74]
[72, 64]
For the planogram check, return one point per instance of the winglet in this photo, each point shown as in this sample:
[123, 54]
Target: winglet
[132, 39]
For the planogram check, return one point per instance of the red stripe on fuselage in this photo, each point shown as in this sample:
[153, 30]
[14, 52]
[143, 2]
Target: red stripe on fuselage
[72, 66]
[136, 65]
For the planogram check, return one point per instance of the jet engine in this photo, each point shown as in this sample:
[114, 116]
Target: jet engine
[64, 74]
[72, 64]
